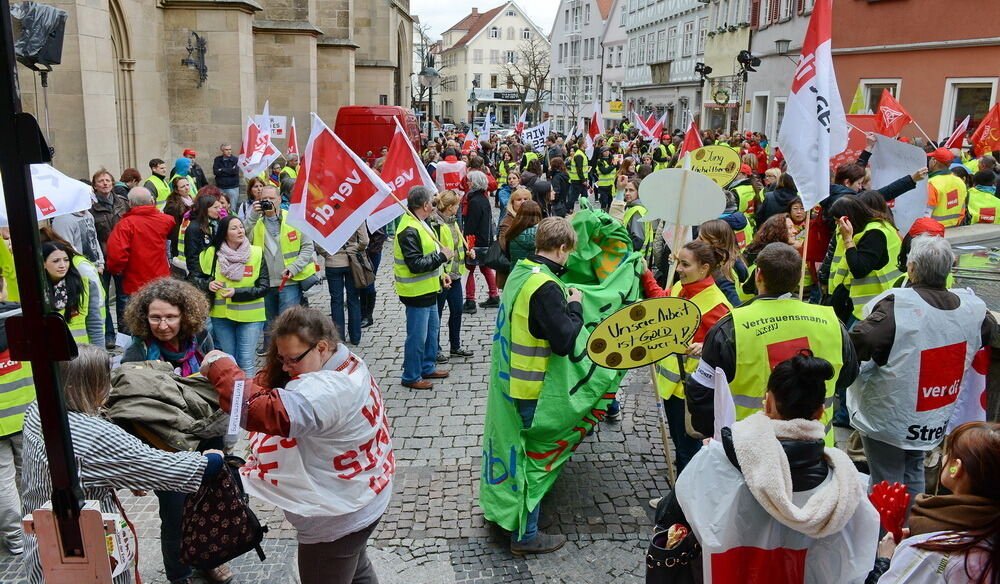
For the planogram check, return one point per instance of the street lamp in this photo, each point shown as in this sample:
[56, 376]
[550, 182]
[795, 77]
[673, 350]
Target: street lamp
[781, 47]
[473, 101]
[429, 78]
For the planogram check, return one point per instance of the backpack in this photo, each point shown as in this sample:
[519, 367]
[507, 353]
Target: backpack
[218, 524]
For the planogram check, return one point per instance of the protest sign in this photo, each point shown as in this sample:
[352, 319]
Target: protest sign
[719, 163]
[680, 196]
[277, 127]
[536, 135]
[644, 332]
[891, 160]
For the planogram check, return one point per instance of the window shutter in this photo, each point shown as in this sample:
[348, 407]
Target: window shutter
[775, 9]
[800, 6]
[754, 14]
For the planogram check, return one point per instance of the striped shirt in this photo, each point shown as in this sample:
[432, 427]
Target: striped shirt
[107, 458]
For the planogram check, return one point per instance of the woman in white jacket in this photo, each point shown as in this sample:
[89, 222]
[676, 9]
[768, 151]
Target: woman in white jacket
[320, 445]
[953, 538]
[768, 502]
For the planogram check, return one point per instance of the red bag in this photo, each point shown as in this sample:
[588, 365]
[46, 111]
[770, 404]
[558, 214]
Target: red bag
[819, 239]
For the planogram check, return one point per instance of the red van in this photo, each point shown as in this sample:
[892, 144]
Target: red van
[367, 128]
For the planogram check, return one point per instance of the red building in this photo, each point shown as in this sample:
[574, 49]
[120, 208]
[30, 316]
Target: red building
[940, 59]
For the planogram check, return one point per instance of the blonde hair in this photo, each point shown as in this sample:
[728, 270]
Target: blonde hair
[518, 192]
[446, 199]
[774, 173]
[553, 233]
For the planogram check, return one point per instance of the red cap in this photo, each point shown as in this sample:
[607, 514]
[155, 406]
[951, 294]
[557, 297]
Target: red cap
[745, 169]
[926, 226]
[942, 155]
[664, 135]
[190, 152]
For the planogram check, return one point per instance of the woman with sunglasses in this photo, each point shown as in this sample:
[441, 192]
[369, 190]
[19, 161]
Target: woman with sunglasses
[319, 439]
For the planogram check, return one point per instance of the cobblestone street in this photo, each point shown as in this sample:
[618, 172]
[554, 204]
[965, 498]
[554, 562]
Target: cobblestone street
[434, 531]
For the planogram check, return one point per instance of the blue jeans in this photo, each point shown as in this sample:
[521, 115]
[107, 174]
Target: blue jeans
[120, 300]
[277, 301]
[531, 526]
[239, 339]
[685, 446]
[421, 347]
[453, 296]
[340, 281]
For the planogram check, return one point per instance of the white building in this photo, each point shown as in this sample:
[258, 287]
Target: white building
[575, 78]
[614, 42]
[665, 40]
[471, 59]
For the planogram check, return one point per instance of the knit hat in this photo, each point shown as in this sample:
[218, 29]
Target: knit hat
[182, 166]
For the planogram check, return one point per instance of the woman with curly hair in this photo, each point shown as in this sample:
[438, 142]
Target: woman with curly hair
[167, 320]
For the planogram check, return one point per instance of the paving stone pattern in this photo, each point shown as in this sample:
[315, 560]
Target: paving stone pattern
[434, 531]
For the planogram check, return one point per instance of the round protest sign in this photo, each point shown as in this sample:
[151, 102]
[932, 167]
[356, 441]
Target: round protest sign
[644, 332]
[680, 196]
[719, 163]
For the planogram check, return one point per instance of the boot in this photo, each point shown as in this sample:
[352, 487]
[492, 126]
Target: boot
[540, 544]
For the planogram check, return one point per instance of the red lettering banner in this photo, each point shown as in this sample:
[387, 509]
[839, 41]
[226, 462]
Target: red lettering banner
[402, 170]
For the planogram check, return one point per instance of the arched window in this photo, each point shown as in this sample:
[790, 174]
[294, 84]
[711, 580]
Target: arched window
[526, 34]
[494, 32]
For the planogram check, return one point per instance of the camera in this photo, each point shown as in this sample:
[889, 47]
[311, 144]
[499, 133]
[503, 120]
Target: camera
[266, 206]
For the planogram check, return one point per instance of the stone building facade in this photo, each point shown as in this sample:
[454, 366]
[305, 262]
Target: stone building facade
[122, 97]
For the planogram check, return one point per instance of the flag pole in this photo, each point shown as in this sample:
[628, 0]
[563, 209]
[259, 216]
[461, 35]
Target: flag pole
[805, 251]
[922, 131]
[414, 217]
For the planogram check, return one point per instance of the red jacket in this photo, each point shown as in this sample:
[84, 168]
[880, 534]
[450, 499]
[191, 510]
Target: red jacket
[137, 247]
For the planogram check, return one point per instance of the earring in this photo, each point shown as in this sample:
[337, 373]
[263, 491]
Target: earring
[953, 470]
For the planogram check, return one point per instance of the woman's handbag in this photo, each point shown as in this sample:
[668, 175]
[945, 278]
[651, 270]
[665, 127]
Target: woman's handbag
[495, 258]
[676, 561]
[361, 269]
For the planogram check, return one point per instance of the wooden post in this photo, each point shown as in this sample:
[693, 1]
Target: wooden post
[805, 263]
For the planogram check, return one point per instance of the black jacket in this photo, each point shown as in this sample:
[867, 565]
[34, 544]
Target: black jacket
[720, 351]
[550, 316]
[227, 175]
[418, 263]
[478, 218]
[776, 201]
[560, 184]
[195, 242]
[869, 253]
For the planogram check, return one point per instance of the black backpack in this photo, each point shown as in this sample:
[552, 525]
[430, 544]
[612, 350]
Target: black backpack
[218, 523]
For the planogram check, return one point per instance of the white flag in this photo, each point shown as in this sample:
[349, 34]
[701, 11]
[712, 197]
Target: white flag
[814, 127]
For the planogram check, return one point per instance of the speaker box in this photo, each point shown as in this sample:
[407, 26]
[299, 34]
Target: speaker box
[39, 31]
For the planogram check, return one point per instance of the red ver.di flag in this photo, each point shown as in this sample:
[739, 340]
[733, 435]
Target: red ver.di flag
[814, 126]
[335, 193]
[401, 171]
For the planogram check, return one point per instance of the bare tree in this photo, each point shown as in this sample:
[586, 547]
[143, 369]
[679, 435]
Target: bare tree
[419, 93]
[528, 73]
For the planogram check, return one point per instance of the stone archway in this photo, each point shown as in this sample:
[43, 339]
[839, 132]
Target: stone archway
[121, 49]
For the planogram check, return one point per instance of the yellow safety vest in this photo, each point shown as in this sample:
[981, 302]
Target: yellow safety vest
[185, 222]
[747, 200]
[983, 206]
[162, 190]
[861, 290]
[771, 331]
[951, 195]
[744, 237]
[289, 172]
[409, 284]
[17, 392]
[528, 157]
[647, 227]
[504, 170]
[529, 355]
[607, 179]
[664, 153]
[290, 243]
[8, 272]
[572, 170]
[669, 380]
[448, 241]
[248, 311]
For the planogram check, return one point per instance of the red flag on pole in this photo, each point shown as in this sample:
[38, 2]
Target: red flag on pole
[957, 138]
[692, 140]
[593, 130]
[402, 170]
[335, 192]
[293, 140]
[891, 117]
[651, 121]
[519, 126]
[986, 138]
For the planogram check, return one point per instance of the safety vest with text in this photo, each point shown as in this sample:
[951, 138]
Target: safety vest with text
[908, 402]
[289, 172]
[863, 289]
[769, 331]
[17, 389]
[951, 194]
[983, 206]
[529, 355]
[162, 190]
[290, 244]
[669, 379]
[574, 173]
[747, 199]
[248, 310]
[409, 284]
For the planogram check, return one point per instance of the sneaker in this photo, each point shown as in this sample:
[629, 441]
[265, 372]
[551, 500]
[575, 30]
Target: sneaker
[460, 352]
[491, 302]
[15, 544]
[542, 543]
[654, 503]
[366, 322]
[442, 358]
[469, 307]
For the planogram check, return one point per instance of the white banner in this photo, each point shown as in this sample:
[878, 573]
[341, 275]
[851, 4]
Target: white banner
[536, 135]
[891, 160]
[278, 125]
[55, 194]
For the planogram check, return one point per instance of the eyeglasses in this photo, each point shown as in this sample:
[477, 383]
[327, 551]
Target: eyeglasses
[155, 320]
[290, 360]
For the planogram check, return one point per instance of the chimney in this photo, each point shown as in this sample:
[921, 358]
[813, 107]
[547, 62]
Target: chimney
[475, 12]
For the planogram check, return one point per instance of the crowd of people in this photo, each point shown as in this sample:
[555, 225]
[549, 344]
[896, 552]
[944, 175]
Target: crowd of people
[210, 279]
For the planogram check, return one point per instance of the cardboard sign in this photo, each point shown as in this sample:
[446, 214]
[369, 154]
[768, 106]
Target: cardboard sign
[681, 196]
[644, 332]
[719, 163]
[536, 135]
[278, 124]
